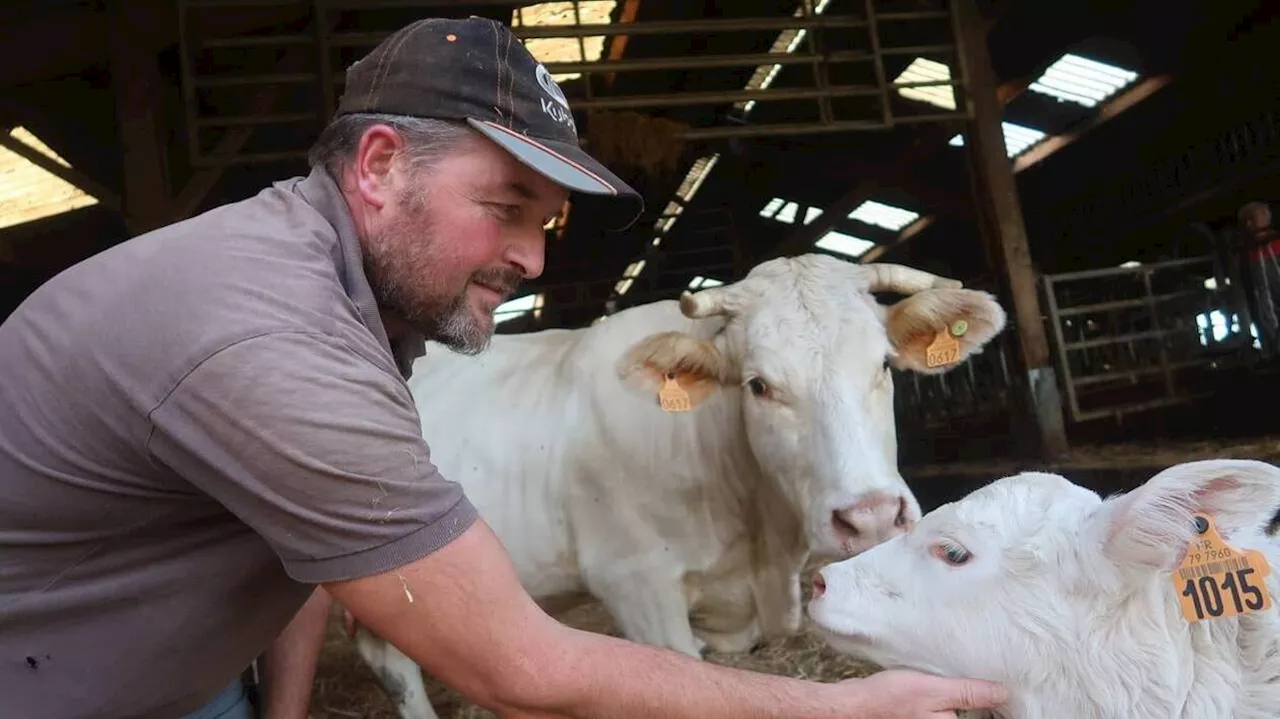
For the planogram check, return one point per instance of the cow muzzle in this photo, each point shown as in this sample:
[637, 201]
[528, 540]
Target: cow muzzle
[876, 517]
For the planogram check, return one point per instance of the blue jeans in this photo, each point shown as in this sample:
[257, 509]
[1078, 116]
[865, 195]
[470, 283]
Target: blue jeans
[230, 703]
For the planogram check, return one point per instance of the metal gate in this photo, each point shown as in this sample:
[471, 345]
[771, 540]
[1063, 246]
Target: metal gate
[1145, 336]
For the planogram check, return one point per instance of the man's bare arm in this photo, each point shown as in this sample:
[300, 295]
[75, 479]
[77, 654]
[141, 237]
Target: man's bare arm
[289, 664]
[462, 614]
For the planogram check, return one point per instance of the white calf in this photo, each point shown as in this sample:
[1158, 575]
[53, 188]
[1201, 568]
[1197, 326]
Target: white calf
[1083, 607]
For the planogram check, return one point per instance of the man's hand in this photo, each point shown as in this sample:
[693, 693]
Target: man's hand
[902, 694]
[461, 614]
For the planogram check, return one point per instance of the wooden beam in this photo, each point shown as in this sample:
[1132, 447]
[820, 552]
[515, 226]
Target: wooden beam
[1035, 395]
[138, 86]
[1108, 110]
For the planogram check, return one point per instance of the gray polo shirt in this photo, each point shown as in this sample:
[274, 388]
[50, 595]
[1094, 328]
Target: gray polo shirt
[196, 426]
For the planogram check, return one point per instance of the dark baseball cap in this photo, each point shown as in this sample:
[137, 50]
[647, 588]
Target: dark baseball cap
[476, 70]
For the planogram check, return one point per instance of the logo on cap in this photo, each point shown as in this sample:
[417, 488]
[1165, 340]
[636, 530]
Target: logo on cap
[561, 114]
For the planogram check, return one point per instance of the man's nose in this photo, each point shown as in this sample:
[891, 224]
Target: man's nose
[528, 252]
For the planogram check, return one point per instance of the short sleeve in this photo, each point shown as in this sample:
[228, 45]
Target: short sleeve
[317, 449]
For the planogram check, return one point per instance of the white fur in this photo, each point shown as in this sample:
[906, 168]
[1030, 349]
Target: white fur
[692, 528]
[1068, 598]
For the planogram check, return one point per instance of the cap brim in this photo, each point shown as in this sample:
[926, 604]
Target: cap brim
[568, 166]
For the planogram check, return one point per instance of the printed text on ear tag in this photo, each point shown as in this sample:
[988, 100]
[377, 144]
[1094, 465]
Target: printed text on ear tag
[673, 397]
[943, 350]
[1216, 580]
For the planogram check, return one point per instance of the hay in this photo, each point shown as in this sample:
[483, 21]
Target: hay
[632, 140]
[346, 688]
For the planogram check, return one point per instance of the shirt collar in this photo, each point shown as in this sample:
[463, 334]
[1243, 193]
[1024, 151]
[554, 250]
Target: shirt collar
[320, 191]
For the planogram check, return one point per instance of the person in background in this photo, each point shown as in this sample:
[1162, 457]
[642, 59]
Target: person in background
[1259, 246]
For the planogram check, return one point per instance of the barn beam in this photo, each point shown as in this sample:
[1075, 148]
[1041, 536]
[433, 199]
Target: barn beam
[1036, 409]
[138, 88]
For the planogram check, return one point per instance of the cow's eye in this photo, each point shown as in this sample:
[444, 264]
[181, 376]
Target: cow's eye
[757, 386]
[952, 554]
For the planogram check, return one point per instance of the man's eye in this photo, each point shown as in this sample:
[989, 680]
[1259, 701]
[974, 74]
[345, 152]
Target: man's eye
[506, 212]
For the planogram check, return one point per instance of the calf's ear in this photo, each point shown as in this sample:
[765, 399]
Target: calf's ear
[696, 365]
[971, 317]
[1151, 526]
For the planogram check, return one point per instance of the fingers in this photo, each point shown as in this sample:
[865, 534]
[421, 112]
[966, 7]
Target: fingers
[973, 694]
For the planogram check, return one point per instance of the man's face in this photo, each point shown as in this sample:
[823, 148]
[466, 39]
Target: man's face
[455, 240]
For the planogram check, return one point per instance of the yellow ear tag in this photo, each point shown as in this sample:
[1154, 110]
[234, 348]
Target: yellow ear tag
[944, 349]
[672, 396]
[1216, 580]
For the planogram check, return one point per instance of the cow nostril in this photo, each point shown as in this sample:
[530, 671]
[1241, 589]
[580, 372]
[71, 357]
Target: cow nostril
[819, 584]
[843, 525]
[901, 519]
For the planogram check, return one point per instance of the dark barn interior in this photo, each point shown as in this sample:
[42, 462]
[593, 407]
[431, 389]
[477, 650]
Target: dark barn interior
[1087, 161]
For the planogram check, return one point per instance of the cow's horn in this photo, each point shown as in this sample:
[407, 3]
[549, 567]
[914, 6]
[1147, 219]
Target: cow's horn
[703, 303]
[886, 277]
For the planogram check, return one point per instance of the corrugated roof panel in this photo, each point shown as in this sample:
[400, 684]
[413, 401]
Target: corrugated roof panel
[1078, 79]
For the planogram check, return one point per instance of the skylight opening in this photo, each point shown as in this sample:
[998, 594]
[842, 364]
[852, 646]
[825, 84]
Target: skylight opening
[1073, 78]
[811, 214]
[887, 216]
[519, 307]
[29, 192]
[840, 243]
[697, 174]
[565, 49]
[1017, 138]
[623, 285]
[786, 43]
[788, 213]
[925, 70]
[634, 269]
[700, 283]
[771, 207]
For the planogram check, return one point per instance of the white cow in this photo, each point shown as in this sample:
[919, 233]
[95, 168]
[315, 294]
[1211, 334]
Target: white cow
[1073, 601]
[692, 527]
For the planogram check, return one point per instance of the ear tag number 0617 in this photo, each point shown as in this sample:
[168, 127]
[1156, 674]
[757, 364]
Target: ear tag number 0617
[1216, 580]
[672, 396]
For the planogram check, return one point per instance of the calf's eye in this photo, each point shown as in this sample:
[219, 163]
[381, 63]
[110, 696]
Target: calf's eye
[952, 554]
[757, 386]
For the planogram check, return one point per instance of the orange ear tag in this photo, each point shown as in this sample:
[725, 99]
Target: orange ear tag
[673, 397]
[1216, 580]
[945, 348]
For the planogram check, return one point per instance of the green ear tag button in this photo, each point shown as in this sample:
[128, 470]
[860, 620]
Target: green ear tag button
[958, 328]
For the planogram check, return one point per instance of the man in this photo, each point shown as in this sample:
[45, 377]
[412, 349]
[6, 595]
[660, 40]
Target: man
[206, 422]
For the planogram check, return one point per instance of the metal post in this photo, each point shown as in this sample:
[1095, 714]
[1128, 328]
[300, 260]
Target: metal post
[324, 62]
[873, 32]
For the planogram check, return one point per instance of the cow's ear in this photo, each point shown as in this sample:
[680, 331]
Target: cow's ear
[970, 317]
[696, 365]
[1151, 526]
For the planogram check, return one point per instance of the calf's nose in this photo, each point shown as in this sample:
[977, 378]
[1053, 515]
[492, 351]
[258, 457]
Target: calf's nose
[876, 517]
[819, 584]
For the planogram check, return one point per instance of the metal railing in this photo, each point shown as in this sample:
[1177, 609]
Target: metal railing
[1138, 338]
[301, 90]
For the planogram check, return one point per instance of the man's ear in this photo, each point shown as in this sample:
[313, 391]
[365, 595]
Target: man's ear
[695, 364]
[913, 323]
[1151, 526]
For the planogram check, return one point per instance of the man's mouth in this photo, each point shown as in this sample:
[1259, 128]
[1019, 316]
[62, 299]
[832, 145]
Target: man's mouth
[500, 292]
